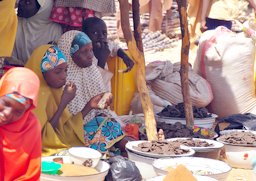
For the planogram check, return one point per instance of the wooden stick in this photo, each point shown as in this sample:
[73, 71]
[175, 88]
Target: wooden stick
[140, 74]
[136, 24]
[182, 7]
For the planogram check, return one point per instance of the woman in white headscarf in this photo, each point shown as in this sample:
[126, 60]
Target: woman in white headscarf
[34, 27]
[100, 133]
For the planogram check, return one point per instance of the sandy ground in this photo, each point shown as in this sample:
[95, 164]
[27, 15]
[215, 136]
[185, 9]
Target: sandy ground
[171, 54]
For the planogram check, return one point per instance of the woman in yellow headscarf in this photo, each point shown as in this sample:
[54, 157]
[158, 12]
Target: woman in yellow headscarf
[60, 129]
[8, 27]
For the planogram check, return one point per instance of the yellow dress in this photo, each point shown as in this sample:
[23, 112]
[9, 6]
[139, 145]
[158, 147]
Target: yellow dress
[69, 131]
[218, 9]
[223, 10]
[8, 27]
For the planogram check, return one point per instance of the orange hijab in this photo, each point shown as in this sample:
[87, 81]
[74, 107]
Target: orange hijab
[20, 141]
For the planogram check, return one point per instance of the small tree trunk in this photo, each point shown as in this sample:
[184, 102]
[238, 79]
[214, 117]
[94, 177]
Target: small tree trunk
[182, 7]
[136, 24]
[138, 57]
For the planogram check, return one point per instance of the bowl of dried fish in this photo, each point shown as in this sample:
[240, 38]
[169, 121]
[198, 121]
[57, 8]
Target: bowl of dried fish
[176, 113]
[159, 149]
[240, 147]
[203, 147]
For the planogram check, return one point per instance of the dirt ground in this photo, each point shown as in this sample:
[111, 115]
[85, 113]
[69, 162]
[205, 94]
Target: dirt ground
[172, 54]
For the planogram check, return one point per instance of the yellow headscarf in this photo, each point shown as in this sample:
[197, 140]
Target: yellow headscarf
[70, 128]
[8, 27]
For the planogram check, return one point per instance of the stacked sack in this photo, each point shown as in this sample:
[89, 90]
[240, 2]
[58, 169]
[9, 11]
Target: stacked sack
[226, 60]
[163, 79]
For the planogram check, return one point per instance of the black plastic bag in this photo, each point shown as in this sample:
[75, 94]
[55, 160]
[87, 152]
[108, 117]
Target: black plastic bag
[122, 169]
[239, 121]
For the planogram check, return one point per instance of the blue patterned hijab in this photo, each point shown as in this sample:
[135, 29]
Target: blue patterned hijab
[79, 41]
[52, 58]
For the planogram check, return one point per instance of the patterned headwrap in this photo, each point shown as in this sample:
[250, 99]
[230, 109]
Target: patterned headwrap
[23, 100]
[52, 58]
[79, 41]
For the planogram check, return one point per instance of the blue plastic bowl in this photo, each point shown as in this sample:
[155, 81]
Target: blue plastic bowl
[49, 167]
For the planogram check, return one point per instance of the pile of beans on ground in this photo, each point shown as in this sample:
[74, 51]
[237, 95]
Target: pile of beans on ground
[177, 111]
[161, 147]
[239, 137]
[193, 142]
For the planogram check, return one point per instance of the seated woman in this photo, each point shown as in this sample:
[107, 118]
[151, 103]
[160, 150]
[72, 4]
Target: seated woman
[100, 133]
[20, 138]
[60, 129]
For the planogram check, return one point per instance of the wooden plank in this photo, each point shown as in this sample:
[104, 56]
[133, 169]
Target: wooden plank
[182, 8]
[138, 57]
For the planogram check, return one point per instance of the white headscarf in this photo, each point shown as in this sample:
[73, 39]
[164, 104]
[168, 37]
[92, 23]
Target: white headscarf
[35, 31]
[88, 80]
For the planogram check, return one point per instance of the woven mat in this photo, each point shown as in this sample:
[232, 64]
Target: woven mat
[240, 175]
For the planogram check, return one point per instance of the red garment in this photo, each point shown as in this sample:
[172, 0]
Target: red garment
[70, 17]
[20, 141]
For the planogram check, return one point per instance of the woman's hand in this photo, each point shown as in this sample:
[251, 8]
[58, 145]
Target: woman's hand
[101, 52]
[68, 94]
[203, 27]
[94, 102]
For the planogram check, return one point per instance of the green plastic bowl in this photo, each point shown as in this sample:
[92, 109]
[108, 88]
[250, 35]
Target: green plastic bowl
[51, 168]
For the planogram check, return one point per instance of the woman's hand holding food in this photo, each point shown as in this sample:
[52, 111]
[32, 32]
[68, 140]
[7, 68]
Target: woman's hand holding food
[68, 94]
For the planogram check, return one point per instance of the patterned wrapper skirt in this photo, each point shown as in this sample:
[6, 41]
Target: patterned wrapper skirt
[102, 133]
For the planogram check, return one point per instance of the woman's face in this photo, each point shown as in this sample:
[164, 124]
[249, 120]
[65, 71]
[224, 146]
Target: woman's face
[84, 56]
[10, 110]
[28, 8]
[56, 78]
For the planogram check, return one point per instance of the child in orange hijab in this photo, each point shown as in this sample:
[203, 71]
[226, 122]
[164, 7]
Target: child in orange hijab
[20, 132]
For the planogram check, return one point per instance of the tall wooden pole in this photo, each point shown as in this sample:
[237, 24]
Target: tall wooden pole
[182, 7]
[138, 57]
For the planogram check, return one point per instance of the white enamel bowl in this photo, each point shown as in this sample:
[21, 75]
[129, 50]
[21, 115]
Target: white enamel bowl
[239, 156]
[131, 144]
[81, 155]
[102, 168]
[200, 122]
[206, 152]
[199, 166]
[199, 178]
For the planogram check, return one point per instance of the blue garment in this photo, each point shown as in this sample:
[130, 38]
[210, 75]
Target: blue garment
[214, 23]
[101, 133]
